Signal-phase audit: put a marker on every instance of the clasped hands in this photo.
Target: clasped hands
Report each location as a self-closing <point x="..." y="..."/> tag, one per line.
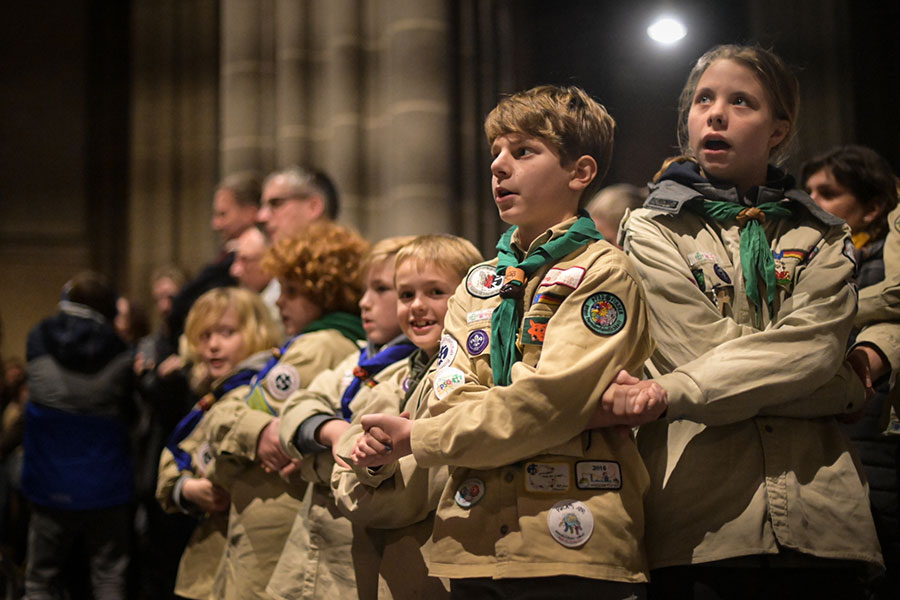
<point x="627" y="402"/>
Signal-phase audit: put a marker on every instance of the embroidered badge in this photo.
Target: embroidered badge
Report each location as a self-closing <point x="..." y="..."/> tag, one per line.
<point x="479" y="315"/>
<point x="477" y="342"/>
<point x="721" y="274"/>
<point x="282" y="381"/>
<point x="598" y="475"/>
<point x="406" y="382"/>
<point x="799" y="255"/>
<point x="469" y="493"/>
<point x="782" y="274"/>
<point x="203" y="457"/>
<point x="570" y="523"/>
<point x="447" y="351"/>
<point x="603" y="313"/>
<point x="483" y="281"/>
<point x="569" y="278"/>
<point x="446" y="380"/>
<point x="700" y="278"/>
<point x="547" y="477"/>
<point x="700" y="258"/>
<point x="548" y="299"/>
<point x="534" y="329"/>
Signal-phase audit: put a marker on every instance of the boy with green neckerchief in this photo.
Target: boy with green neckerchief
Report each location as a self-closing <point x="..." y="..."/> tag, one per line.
<point x="537" y="501"/>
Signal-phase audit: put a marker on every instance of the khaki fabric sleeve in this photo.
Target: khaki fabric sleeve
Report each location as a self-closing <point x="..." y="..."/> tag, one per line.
<point x="487" y="427"/>
<point x="322" y="397"/>
<point x="886" y="337"/>
<point x="400" y="493"/>
<point x="881" y="302"/>
<point x="167" y="476"/>
<point x="748" y="372"/>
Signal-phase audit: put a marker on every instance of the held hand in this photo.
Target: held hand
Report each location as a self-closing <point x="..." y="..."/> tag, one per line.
<point x="206" y="495"/>
<point x="629" y="401"/>
<point x="386" y="440"/>
<point x="269" y="452"/>
<point x="170" y="365"/>
<point x="865" y="361"/>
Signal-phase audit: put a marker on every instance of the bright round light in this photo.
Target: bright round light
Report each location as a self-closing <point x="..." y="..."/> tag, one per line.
<point x="666" y="31"/>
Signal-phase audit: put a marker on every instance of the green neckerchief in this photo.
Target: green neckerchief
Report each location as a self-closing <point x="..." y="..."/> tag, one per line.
<point x="505" y="319"/>
<point x="349" y="326"/>
<point x="756" y="256"/>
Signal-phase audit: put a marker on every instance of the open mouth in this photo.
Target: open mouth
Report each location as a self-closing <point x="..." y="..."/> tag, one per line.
<point x="716" y="145"/>
<point x="503" y="193"/>
<point x="422" y="324"/>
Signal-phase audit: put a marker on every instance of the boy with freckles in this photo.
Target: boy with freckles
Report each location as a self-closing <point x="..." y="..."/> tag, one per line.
<point x="545" y="496"/>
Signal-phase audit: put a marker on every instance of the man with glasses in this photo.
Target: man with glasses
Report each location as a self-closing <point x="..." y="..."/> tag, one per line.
<point x="293" y="198"/>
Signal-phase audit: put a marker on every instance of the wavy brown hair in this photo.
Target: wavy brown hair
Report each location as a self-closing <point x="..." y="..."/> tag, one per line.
<point x="326" y="260"/>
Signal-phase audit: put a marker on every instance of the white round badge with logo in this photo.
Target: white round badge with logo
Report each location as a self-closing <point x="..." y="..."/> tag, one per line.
<point x="282" y="381"/>
<point x="570" y="523"/>
<point x="447" y="351"/>
<point x="469" y="493"/>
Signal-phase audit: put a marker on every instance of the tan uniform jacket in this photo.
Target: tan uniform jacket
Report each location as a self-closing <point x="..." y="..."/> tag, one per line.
<point x="204" y="549"/>
<point x="879" y="304"/>
<point x="525" y="442"/>
<point x="263" y="505"/>
<point x="393" y="508"/>
<point x="317" y="560"/>
<point x="730" y="474"/>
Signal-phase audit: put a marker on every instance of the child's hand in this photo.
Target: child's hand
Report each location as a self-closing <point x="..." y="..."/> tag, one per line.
<point x="629" y="401"/>
<point x="206" y="495"/>
<point x="269" y="452"/>
<point x="386" y="440"/>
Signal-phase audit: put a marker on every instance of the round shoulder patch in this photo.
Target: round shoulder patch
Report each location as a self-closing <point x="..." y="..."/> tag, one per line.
<point x="477" y="342"/>
<point x="446" y="380"/>
<point x="469" y="493"/>
<point x="282" y="381"/>
<point x="604" y="313"/>
<point x="447" y="351"/>
<point x="483" y="281"/>
<point x="570" y="523"/>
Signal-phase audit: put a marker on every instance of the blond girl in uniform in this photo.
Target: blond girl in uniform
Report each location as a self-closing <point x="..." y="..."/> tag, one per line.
<point x="229" y="336"/>
<point x="754" y="491"/>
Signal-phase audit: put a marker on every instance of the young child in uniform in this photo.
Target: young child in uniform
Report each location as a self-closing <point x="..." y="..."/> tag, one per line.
<point x="392" y="508"/>
<point x="229" y="335"/>
<point x="533" y="338"/>
<point x="754" y="491"/>
<point x="321" y="283"/>
<point x="313" y="418"/>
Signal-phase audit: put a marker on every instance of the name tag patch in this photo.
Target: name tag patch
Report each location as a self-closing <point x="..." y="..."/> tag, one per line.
<point x="534" y="329"/>
<point x="446" y="380"/>
<point x="570" y="523"/>
<point x="479" y="315"/>
<point x="604" y="313"/>
<point x="483" y="281"/>
<point x="569" y="278"/>
<point x="598" y="475"/>
<point x="547" y="477"/>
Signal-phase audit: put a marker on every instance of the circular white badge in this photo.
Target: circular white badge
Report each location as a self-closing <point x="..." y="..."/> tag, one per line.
<point x="483" y="281"/>
<point x="570" y="523"/>
<point x="446" y="380"/>
<point x="282" y="381"/>
<point x="447" y="351"/>
<point x="469" y="493"/>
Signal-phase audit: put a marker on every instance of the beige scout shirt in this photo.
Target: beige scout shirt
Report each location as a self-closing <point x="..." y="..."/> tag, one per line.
<point x="730" y="474"/>
<point x="204" y="549"/>
<point x="263" y="505"/>
<point x="392" y="509"/>
<point x="516" y="451"/>
<point x="879" y="304"/>
<point x="317" y="560"/>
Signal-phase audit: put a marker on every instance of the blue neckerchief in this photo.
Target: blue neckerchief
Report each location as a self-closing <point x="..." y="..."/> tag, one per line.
<point x="192" y="419"/>
<point x="368" y="367"/>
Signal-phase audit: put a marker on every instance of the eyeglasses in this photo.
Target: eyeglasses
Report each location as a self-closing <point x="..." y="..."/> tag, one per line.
<point x="274" y="203"/>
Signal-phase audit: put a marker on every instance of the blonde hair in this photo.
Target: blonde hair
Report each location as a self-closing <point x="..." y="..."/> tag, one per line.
<point x="385" y="250"/>
<point x="255" y="324"/>
<point x="778" y="81"/>
<point x="441" y="251"/>
<point x="326" y="261"/>
<point x="566" y="118"/>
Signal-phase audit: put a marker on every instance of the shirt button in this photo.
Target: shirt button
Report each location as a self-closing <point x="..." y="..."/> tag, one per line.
<point x="504" y="529"/>
<point x="508" y="477"/>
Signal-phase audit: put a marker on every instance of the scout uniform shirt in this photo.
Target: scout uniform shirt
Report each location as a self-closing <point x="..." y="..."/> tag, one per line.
<point x="316" y="561"/>
<point x="530" y="493"/>
<point x="392" y="508"/>
<point x="263" y="505"/>
<point x="730" y="474"/>
<point x="204" y="549"/>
